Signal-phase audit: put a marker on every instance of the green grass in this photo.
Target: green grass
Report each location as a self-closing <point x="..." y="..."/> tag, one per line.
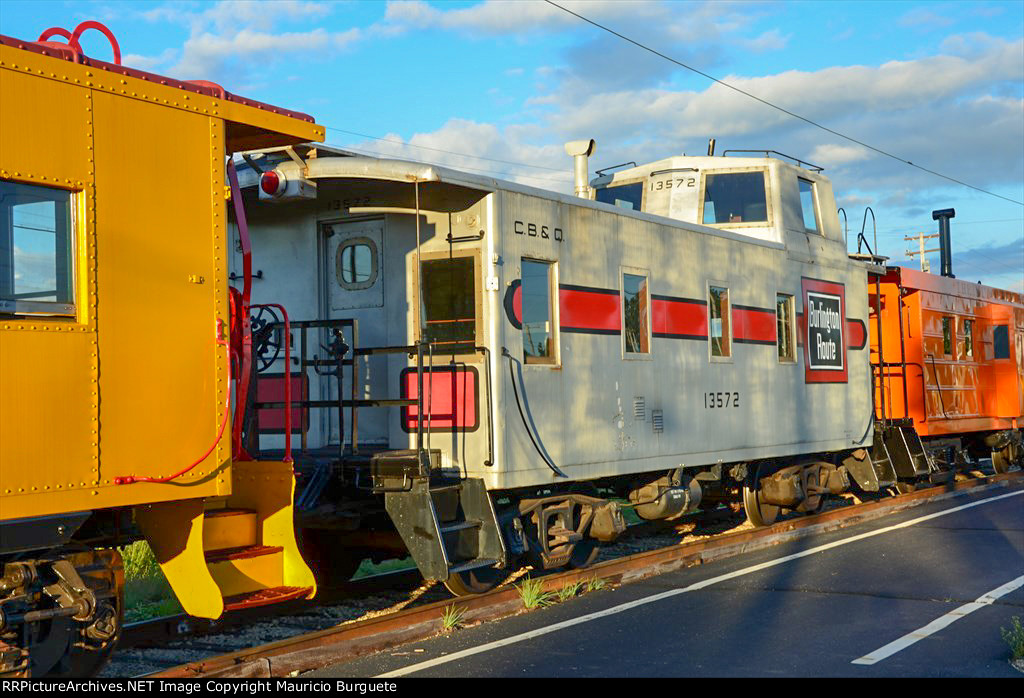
<point x="451" y="618"/>
<point x="595" y="584"/>
<point x="531" y="591"/>
<point x="568" y="591"/>
<point x="1014" y="637"/>
<point x="147" y="593"/>
<point x="367" y="568"/>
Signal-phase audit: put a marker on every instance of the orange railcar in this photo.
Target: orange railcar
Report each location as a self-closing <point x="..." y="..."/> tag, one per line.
<point x="949" y="354"/>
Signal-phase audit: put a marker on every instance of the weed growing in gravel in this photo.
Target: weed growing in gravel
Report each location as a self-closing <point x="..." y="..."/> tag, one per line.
<point x="147" y="593"/>
<point x="595" y="584"/>
<point x="1014" y="637"/>
<point x="569" y="591"/>
<point x="451" y="618"/>
<point x="531" y="591"/>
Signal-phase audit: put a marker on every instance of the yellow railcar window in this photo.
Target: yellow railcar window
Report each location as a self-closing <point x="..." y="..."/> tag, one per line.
<point x="36" y="250"/>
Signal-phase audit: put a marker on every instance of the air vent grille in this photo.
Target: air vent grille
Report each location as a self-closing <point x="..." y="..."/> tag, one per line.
<point x="639" y="409"/>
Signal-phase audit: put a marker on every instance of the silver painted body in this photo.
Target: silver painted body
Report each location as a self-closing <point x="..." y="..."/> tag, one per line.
<point x="585" y="408"/>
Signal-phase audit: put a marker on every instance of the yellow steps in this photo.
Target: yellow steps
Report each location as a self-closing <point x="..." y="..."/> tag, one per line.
<point x="241" y="554"/>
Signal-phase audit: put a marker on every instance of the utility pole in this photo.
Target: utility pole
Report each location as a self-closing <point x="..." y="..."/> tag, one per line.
<point x="921" y="237"/>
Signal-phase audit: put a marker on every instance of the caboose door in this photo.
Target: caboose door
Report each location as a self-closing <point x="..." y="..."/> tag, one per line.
<point x="354" y="277"/>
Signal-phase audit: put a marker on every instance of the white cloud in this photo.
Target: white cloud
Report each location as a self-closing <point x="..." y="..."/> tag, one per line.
<point x="923" y="18"/>
<point x="225" y="38"/>
<point x="210" y="54"/>
<point x="835" y="154"/>
<point x="771" y="40"/>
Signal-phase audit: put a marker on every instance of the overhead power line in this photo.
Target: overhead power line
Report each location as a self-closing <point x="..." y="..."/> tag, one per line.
<point x="781" y="109"/>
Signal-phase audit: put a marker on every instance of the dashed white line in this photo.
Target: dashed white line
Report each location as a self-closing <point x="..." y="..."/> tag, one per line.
<point x="940" y="623"/>
<point x="675" y="592"/>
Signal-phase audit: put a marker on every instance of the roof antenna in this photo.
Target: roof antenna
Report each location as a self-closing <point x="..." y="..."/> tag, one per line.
<point x="711" y="147"/>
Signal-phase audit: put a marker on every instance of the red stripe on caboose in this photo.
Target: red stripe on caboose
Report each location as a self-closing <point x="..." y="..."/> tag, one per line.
<point x="678" y="317"/>
<point x="753" y="325"/>
<point x="856" y="334"/>
<point x="588" y="310"/>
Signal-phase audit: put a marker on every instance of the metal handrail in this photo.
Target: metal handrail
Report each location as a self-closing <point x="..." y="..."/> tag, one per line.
<point x="287" y="377"/>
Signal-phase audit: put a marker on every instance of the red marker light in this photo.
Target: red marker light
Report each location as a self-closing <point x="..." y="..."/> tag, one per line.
<point x="270" y="183"/>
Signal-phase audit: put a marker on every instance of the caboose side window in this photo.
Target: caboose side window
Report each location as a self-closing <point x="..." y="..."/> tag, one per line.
<point x="538" y="328"/>
<point x="636" y="299"/>
<point x="36" y="258"/>
<point x="449" y="304"/>
<point x="735" y="197"/>
<point x="719" y="332"/>
<point x="947" y="336"/>
<point x="1001" y="341"/>
<point x="624" y="195"/>
<point x="968" y="347"/>
<point x="807" y="206"/>
<point x="784" y="327"/>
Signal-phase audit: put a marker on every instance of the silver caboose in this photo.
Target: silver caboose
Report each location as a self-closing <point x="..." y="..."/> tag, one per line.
<point x="494" y="370"/>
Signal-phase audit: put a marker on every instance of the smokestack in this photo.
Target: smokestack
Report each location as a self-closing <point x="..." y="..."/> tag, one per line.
<point x="580" y="151"/>
<point x="945" y="250"/>
<point x="711" y="147"/>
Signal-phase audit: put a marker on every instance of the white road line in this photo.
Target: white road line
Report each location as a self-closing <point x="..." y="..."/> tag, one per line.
<point x="675" y="592"/>
<point x="940" y="623"/>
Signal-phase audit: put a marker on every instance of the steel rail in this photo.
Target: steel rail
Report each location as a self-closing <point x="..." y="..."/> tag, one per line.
<point x="156" y="632"/>
<point x="348" y="641"/>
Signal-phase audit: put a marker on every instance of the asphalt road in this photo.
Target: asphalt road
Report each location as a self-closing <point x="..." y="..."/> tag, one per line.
<point x="814" y="607"/>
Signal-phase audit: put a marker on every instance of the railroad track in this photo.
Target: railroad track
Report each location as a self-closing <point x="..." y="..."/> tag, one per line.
<point x="305" y="651"/>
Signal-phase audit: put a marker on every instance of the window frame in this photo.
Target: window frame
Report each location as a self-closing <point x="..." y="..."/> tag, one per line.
<point x="997" y="344"/>
<point x="791" y="360"/>
<point x="642" y="181"/>
<point x="713" y="283"/>
<point x="949" y="336"/>
<point x="374" y="264"/>
<point x="814" y="207"/>
<point x="13" y="309"/>
<point x="478" y="299"/>
<point x="769" y="208"/>
<point x="635" y="355"/>
<point x="555" y="360"/>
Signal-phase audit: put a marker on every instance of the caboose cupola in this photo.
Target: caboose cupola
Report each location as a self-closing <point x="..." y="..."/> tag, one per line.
<point x="764" y="197"/>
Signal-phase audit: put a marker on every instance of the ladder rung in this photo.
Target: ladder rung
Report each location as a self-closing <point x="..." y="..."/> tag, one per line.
<point x="445" y="488"/>
<point x="459" y="526"/>
<point x="471" y="565"/>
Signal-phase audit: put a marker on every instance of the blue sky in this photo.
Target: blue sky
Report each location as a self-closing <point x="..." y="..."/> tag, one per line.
<point x="468" y="84"/>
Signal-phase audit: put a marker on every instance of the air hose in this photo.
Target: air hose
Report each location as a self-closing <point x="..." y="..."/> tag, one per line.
<point x="522" y="415"/>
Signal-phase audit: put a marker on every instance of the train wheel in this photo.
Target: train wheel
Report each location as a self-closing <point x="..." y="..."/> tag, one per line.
<point x="759" y="513"/>
<point x="476" y="581"/>
<point x="70" y="646"/>
<point x="1006" y="457"/>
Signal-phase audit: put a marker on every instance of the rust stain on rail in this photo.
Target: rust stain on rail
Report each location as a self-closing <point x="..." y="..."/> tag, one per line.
<point x="345" y="642"/>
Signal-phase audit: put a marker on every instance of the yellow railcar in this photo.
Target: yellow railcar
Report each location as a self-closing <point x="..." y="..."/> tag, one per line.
<point x="117" y="343"/>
